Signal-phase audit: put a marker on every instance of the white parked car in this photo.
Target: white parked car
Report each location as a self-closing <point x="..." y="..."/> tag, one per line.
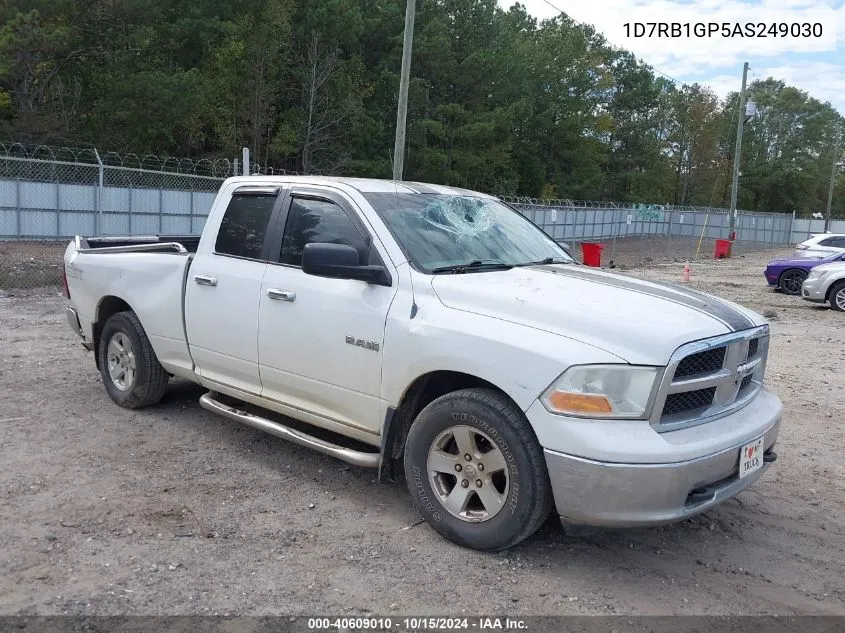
<point x="826" y="284"/>
<point x="821" y="245"/>
<point x="437" y="333"/>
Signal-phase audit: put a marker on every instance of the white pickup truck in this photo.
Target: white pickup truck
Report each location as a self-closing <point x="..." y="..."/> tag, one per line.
<point x="437" y="333"/>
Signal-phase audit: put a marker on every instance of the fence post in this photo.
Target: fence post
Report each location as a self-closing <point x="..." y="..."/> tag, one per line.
<point x="791" y="226"/>
<point x="615" y="228"/>
<point x="669" y="241"/>
<point x="129" y="231"/>
<point x="160" y="211"/>
<point x="98" y="218"/>
<point x="18" y="207"/>
<point x="58" y="205"/>
<point x="191" y="211"/>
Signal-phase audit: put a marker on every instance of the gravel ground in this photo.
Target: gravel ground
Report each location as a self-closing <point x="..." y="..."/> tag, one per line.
<point x="172" y="510"/>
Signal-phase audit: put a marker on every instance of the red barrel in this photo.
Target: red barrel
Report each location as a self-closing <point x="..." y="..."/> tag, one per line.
<point x="723" y="249"/>
<point x="591" y="254"/>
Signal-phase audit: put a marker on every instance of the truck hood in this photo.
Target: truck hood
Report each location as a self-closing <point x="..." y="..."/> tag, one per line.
<point x="639" y="321"/>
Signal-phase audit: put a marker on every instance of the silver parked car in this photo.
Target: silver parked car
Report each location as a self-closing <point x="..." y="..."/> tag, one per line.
<point x="826" y="284"/>
<point x="821" y="245"/>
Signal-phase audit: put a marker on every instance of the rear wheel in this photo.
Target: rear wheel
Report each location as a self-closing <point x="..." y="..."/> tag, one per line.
<point x="476" y="471"/>
<point x="131" y="373"/>
<point x="791" y="280"/>
<point x="837" y="297"/>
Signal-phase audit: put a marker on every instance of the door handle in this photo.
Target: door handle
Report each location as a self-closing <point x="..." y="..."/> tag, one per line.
<point x="204" y="280"/>
<point x="281" y="295"/>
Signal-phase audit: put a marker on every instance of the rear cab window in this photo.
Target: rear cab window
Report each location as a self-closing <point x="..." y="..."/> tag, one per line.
<point x="244" y="226"/>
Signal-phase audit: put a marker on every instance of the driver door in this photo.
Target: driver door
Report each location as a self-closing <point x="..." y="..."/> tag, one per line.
<point x="310" y="327"/>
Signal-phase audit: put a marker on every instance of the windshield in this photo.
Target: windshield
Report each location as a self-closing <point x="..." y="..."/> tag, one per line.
<point x="438" y="230"/>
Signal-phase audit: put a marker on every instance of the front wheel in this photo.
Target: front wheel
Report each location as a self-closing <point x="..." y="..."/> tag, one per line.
<point x="476" y="471"/>
<point x="132" y="375"/>
<point x="791" y="281"/>
<point x="837" y="297"/>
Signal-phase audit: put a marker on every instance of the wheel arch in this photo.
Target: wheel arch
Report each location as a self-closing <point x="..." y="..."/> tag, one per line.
<point x="792" y="269"/>
<point x="423" y="390"/>
<point x="834" y="284"/>
<point x="106" y="308"/>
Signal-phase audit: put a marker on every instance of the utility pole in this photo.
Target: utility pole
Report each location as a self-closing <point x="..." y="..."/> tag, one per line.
<point x="402" y="110"/>
<point x="739" y="125"/>
<point x="832" y="180"/>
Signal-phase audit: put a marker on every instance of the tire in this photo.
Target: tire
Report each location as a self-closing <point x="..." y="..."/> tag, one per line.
<point x="485" y="426"/>
<point x="790" y="281"/>
<point x="131" y="372"/>
<point x="837" y="297"/>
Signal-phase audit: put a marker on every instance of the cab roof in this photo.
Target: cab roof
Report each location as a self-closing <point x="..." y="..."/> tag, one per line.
<point x="363" y="185"/>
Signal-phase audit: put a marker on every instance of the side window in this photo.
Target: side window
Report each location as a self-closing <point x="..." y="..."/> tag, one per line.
<point x="839" y="242"/>
<point x="244" y="225"/>
<point x="829" y="241"/>
<point x="318" y="221"/>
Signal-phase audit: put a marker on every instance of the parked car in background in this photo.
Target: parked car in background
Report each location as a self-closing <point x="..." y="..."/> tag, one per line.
<point x="789" y="274"/>
<point x="821" y="245"/>
<point x="826" y="284"/>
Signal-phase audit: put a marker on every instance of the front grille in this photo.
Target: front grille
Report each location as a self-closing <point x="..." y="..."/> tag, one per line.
<point x="713" y="378"/>
<point x="688" y="401"/>
<point x="701" y="363"/>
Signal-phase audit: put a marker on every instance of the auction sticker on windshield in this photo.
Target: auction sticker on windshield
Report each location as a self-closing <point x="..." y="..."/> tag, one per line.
<point x="750" y="458"/>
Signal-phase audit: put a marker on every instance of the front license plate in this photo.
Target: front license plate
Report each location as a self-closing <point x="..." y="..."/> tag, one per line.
<point x="750" y="458"/>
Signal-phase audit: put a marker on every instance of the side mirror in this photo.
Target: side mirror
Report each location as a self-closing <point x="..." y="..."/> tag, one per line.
<point x="340" y="261"/>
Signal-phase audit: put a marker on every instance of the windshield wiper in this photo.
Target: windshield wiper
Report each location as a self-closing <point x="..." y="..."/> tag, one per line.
<point x="548" y="260"/>
<point x="476" y="264"/>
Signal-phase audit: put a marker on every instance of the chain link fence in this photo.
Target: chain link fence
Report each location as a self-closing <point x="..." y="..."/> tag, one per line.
<point x="48" y="196"/>
<point x="640" y="234"/>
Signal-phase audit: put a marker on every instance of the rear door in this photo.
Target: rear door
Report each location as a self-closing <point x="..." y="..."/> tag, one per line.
<point x="224" y="286"/>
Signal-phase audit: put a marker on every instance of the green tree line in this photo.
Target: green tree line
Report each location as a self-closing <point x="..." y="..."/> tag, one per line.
<point x="498" y="101"/>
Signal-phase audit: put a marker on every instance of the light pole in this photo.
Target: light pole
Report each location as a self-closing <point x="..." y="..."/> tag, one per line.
<point x="832" y="180"/>
<point x="737" y="151"/>
<point x="402" y="110"/>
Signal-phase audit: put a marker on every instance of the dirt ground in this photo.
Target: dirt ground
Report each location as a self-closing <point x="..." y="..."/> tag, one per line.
<point x="172" y="510"/>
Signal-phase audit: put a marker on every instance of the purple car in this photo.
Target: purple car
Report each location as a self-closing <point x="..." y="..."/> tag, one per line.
<point x="789" y="274"/>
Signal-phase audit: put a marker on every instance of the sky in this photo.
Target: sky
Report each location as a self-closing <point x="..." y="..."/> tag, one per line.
<point x="815" y="64"/>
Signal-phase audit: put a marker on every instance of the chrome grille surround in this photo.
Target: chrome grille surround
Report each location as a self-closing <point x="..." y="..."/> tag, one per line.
<point x="736" y="382"/>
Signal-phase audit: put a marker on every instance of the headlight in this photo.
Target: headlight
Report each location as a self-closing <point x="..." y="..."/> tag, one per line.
<point x="815" y="274"/>
<point x="602" y="391"/>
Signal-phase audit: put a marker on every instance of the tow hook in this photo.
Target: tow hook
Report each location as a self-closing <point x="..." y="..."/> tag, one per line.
<point x="769" y="457"/>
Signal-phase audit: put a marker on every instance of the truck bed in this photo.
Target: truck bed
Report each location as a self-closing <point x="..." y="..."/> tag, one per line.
<point x="141" y="243"/>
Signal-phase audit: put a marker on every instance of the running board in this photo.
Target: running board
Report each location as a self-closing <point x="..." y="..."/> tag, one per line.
<point x="356" y="458"/>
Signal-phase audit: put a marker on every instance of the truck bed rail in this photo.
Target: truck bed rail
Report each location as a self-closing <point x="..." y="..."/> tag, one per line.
<point x="138" y="244"/>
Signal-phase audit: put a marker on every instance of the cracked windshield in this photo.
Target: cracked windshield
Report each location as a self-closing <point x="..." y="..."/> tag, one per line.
<point x="444" y="233"/>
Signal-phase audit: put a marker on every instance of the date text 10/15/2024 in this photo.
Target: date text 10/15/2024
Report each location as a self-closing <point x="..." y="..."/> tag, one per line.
<point x="416" y="624"/>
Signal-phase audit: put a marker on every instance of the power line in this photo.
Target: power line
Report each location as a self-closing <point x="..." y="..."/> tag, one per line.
<point x="642" y="61"/>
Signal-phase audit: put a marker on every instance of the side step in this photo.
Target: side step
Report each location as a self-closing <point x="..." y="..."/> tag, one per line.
<point x="356" y="458"/>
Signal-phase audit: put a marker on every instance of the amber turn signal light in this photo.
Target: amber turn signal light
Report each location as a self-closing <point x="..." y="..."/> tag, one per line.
<point x="579" y="402"/>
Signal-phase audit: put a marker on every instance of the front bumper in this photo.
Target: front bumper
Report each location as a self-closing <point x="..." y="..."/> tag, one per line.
<point x="605" y="494"/>
<point x="625" y="474"/>
<point x="771" y="278"/>
<point x="813" y="290"/>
